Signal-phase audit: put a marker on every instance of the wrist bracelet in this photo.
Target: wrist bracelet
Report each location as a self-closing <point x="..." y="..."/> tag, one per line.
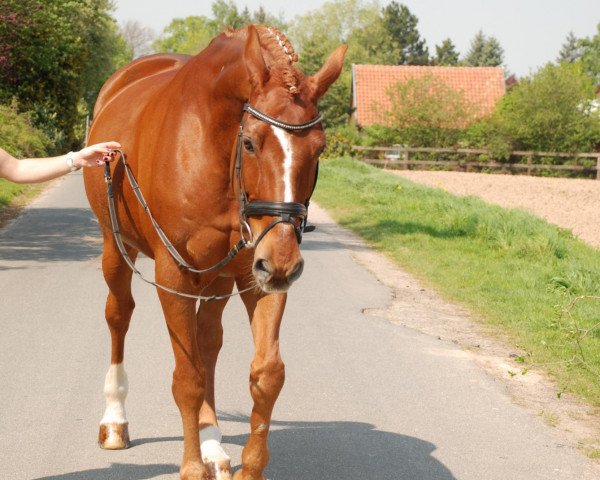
<point x="70" y="162"/>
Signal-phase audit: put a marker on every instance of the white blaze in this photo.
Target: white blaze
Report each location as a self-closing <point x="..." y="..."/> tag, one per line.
<point x="211" y="445"/>
<point x="115" y="391"/>
<point x="286" y="145"/>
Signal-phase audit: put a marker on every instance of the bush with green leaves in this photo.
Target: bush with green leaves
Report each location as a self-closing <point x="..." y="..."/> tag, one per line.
<point x="54" y="57"/>
<point x="18" y="136"/>
<point x="554" y="110"/>
<point x="426" y="112"/>
<point x="340" y="141"/>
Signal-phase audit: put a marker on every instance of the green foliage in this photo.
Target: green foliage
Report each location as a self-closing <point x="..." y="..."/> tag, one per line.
<point x="402" y="26"/>
<point x="426" y="112"/>
<point x="226" y="14"/>
<point x="317" y="34"/>
<point x="18" y="136"/>
<point x="590" y="57"/>
<point x="484" y="52"/>
<point x="487" y="133"/>
<point x="57" y="54"/>
<point x="192" y="34"/>
<point x="509" y="268"/>
<point x="445" y="54"/>
<point x="551" y="111"/>
<point x="340" y="140"/>
<point x="186" y="35"/>
<point x="570" y="50"/>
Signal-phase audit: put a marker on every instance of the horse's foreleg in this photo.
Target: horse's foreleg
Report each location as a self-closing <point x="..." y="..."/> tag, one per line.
<point x="210" y="340"/>
<point x="267" y="375"/>
<point x="114" y="432"/>
<point x="189" y="374"/>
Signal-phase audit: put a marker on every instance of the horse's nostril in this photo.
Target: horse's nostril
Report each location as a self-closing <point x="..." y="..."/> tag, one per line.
<point x="296" y="272"/>
<point x="262" y="266"/>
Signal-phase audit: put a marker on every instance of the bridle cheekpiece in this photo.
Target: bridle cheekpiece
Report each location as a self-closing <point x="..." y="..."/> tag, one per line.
<point x="285" y="212"/>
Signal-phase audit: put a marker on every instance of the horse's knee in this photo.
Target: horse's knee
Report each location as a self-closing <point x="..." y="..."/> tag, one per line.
<point x="118" y="312"/>
<point x="266" y="379"/>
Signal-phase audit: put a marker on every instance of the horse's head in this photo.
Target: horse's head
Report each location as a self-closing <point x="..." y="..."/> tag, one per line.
<point x="281" y="141"/>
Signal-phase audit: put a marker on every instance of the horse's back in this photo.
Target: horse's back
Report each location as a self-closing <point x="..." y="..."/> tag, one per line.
<point x="137" y="71"/>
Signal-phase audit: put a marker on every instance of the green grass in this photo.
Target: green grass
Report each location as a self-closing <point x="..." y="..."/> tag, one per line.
<point x="511" y="269"/>
<point x="14" y="197"/>
<point x="8" y="191"/>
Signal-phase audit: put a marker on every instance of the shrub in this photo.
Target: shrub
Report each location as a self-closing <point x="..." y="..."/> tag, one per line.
<point x="18" y="136"/>
<point x="551" y="111"/>
<point x="340" y="140"/>
<point x="425" y="112"/>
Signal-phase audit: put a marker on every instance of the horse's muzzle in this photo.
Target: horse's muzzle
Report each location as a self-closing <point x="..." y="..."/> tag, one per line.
<point x="273" y="279"/>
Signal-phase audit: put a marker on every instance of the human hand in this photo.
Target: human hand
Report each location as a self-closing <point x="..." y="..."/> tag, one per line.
<point x="95" y="155"/>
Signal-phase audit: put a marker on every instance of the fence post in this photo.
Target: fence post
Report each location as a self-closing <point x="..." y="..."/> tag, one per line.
<point x="598" y="167"/>
<point x="529" y="165"/>
<point x="405" y="158"/>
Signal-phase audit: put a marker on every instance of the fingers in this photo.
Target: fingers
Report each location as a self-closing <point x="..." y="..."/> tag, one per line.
<point x="109" y="145"/>
<point x="99" y="153"/>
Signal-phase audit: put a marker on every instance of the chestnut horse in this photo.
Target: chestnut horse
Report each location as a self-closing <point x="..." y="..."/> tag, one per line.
<point x="222" y="150"/>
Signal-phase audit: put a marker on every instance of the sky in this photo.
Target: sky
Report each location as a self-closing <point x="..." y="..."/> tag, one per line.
<point x="530" y="31"/>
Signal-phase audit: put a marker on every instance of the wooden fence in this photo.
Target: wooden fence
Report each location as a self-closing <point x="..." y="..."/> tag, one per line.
<point x="400" y="157"/>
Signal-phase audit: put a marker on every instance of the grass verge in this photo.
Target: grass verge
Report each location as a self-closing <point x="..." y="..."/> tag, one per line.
<point x="511" y="269"/>
<point x="14" y="197"/>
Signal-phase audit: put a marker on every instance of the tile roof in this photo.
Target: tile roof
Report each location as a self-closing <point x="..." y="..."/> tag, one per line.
<point x="483" y="86"/>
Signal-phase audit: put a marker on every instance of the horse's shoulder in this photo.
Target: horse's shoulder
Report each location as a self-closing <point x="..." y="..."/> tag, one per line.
<point x="135" y="71"/>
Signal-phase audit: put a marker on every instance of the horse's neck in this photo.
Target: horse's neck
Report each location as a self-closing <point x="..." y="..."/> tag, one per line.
<point x="218" y="76"/>
<point x="209" y="93"/>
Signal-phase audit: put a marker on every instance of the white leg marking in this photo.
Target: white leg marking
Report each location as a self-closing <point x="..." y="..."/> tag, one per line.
<point x="286" y="146"/>
<point x="115" y="391"/>
<point x="210" y="438"/>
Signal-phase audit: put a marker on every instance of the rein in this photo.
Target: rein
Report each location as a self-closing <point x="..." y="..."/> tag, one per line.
<point x="285" y="212"/>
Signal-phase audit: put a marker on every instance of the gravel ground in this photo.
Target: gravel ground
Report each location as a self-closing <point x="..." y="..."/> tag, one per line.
<point x="569" y="203"/>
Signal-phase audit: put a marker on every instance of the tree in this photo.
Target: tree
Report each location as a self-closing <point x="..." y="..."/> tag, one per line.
<point x="484" y="52"/>
<point x="60" y="53"/>
<point x="185" y="35"/>
<point x="590" y="55"/>
<point x="402" y="27"/>
<point x="446" y="54"/>
<point x="571" y="50"/>
<point x="138" y="38"/>
<point x="426" y="112"/>
<point x="553" y="110"/>
<point x="226" y="14"/>
<point x="317" y="33"/>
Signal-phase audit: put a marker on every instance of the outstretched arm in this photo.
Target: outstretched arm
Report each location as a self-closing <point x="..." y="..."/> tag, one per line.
<point x="35" y="170"/>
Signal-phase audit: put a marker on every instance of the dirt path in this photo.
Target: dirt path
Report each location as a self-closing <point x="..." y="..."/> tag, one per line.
<point x="568" y="203"/>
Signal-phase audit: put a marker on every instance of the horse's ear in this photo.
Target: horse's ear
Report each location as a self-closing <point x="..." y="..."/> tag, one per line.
<point x="329" y="73"/>
<point x="255" y="63"/>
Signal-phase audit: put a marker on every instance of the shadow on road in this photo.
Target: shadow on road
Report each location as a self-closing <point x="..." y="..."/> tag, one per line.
<point x="344" y="450"/>
<point x="51" y="235"/>
<point x="308" y="451"/>
<point x="117" y="471"/>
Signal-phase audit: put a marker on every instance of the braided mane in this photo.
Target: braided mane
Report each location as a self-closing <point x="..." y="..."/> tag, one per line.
<point x="280" y="57"/>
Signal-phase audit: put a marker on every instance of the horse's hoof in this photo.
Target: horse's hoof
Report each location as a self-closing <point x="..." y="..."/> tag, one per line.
<point x="193" y="471"/>
<point x="220" y="470"/>
<point x="113" y="436"/>
<point x="238" y="476"/>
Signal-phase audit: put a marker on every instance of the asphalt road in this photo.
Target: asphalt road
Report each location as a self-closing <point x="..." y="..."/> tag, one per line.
<point x="364" y="398"/>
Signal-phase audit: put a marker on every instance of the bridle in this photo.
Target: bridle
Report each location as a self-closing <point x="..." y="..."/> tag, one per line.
<point x="284" y="212"/>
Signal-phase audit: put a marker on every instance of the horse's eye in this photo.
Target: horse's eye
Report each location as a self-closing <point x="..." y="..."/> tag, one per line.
<point x="248" y="145"/>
